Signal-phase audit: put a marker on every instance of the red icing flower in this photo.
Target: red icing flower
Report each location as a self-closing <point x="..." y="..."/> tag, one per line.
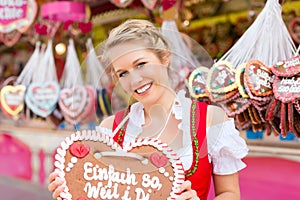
<point x="85" y="27"/>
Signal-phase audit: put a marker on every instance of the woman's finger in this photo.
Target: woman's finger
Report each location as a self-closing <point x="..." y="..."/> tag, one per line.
<point x="57" y="192"/>
<point x="55" y="184"/>
<point x="186" y="185"/>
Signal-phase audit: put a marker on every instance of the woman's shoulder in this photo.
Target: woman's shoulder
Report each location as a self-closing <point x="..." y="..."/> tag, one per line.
<point x="108" y="122"/>
<point x="215" y="115"/>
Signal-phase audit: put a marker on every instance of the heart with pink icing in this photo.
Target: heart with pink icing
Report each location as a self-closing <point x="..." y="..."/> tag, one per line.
<point x="258" y="80"/>
<point x="287" y="68"/>
<point x="42" y="97"/>
<point x="78" y="111"/>
<point x="197" y="82"/>
<point x="94" y="166"/>
<point x="72" y="101"/>
<point x="221" y="78"/>
<point x="287" y="89"/>
<point x="12" y="99"/>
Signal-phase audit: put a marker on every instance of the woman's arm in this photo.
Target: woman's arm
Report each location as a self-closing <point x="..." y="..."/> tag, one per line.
<point x="108" y="122"/>
<point x="227" y="187"/>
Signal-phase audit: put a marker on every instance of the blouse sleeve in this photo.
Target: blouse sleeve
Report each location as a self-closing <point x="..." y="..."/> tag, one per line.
<point x="226" y="148"/>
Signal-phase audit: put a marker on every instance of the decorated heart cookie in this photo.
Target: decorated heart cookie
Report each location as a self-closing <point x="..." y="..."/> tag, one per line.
<point x="289" y="67"/>
<point x="42" y="97"/>
<point x="221" y="78"/>
<point x="12" y="99"/>
<point x="287" y="89"/>
<point x="258" y="80"/>
<point x="95" y="167"/>
<point x="77" y="104"/>
<point x="239" y="79"/>
<point x="197" y="82"/>
<point x="294" y="27"/>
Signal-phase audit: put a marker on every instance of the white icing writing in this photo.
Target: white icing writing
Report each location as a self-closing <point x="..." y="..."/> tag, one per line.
<point x="99" y="174"/>
<point x="292" y="62"/>
<point x="289" y="85"/>
<point x="11" y="9"/>
<point x="264" y="79"/>
<point x="221" y="77"/>
<point x="114" y="178"/>
<point x="13" y="99"/>
<point x="45" y="94"/>
<point x="104" y="192"/>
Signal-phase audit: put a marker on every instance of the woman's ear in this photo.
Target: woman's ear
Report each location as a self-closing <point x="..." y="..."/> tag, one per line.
<point x="166" y="58"/>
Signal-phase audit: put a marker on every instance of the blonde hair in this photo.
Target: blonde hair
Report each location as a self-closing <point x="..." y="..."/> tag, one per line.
<point x="139" y="31"/>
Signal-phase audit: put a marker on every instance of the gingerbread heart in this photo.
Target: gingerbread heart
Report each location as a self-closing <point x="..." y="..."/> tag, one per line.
<point x="287" y="68"/>
<point x="94" y="166"/>
<point x="287" y="89"/>
<point x="239" y="79"/>
<point x="294" y="27"/>
<point x="221" y="78"/>
<point x="72" y="101"/>
<point x="197" y="82"/>
<point x="258" y="80"/>
<point x="42" y="97"/>
<point x="12" y="99"/>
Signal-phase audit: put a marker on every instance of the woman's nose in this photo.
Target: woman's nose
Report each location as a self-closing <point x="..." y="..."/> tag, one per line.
<point x="135" y="77"/>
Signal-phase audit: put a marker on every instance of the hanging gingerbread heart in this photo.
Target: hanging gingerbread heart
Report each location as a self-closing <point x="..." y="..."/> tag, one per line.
<point x="287" y="68"/>
<point x="239" y="79"/>
<point x="287" y="89"/>
<point x="42" y="98"/>
<point x="294" y="29"/>
<point x="258" y="80"/>
<point x="197" y="82"/>
<point x="221" y="78"/>
<point x="12" y="99"/>
<point x="94" y="166"/>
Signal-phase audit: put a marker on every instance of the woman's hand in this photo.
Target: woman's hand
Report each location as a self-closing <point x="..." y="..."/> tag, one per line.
<point x="187" y="192"/>
<point x="56" y="185"/>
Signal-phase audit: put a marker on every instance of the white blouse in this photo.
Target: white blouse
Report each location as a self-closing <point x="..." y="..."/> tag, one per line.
<point x="225" y="147"/>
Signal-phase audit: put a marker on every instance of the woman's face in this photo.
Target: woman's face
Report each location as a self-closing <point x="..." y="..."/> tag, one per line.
<point x="140" y="72"/>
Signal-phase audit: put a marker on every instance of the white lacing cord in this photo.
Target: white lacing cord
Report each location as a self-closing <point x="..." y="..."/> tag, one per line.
<point x="98" y="155"/>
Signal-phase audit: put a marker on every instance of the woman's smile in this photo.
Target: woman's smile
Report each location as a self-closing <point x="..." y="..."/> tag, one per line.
<point x="143" y="89"/>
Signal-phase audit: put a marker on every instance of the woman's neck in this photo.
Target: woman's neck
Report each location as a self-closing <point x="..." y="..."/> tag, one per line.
<point x="161" y="108"/>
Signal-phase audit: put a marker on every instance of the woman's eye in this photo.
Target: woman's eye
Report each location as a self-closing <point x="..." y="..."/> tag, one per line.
<point x="123" y="74"/>
<point x="140" y="65"/>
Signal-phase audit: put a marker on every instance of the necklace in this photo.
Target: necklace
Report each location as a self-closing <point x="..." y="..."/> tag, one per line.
<point x="166" y="123"/>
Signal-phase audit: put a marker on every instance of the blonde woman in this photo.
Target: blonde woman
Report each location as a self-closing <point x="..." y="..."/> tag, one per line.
<point x="204" y="138"/>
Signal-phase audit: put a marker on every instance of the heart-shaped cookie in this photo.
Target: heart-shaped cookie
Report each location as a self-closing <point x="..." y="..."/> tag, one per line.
<point x="94" y="166"/>
<point x="72" y="101"/>
<point x="239" y="79"/>
<point x="197" y="82"/>
<point x="287" y="68"/>
<point x="294" y="27"/>
<point x="221" y="78"/>
<point x="42" y="97"/>
<point x="12" y="99"/>
<point x="258" y="80"/>
<point x="287" y="89"/>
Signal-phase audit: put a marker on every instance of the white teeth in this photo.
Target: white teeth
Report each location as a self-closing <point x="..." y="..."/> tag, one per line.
<point x="143" y="89"/>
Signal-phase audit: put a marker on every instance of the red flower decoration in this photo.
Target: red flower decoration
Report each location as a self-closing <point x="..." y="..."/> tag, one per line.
<point x="85" y="27"/>
<point x="41" y="29"/>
